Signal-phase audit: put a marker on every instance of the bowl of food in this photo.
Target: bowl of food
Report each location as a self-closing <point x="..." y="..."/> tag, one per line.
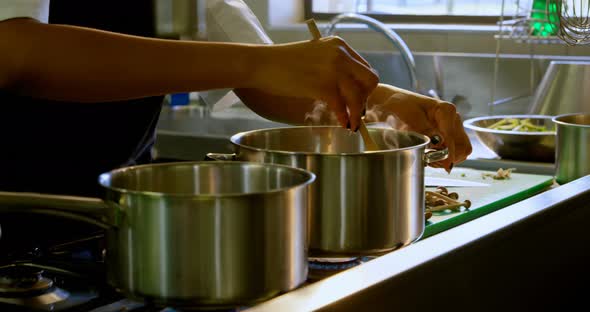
<point x="516" y="137"/>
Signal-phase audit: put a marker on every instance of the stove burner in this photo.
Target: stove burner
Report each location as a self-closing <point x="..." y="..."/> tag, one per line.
<point x="19" y="281"/>
<point x="26" y="286"/>
<point x="320" y="268"/>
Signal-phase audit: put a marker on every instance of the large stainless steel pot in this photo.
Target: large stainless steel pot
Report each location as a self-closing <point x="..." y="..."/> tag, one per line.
<point x="362" y="202"/>
<point x="195" y="234"/>
<point x="572" y="153"/>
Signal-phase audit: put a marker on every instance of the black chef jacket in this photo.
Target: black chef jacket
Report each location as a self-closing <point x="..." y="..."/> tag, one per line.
<point x="62" y="147"/>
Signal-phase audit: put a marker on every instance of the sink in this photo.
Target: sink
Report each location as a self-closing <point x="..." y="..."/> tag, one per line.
<point x="190" y="132"/>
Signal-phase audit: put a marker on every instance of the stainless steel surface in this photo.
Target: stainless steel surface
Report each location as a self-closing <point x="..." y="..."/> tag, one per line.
<point x="190" y="132"/>
<point x="516" y="145"/>
<point x="202" y="233"/>
<point x="433" y="156"/>
<point x="362" y="202"/>
<point x="509" y="99"/>
<point x="391" y="35"/>
<point x="438" y="77"/>
<point x="482" y="158"/>
<point x="573" y="21"/>
<point x="402" y="278"/>
<point x="573" y="146"/>
<point x="95" y="211"/>
<point x="563" y="90"/>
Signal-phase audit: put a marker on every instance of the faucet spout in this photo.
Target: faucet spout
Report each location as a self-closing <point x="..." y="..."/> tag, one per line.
<point x="391" y="35"/>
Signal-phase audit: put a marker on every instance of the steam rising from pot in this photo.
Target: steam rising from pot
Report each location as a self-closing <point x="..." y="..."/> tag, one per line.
<point x="321" y="115"/>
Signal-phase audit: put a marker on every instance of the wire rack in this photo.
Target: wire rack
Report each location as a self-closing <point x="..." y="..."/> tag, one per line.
<point x="529" y="25"/>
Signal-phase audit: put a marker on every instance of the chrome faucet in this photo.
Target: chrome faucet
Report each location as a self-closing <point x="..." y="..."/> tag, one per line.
<point x="376" y="25"/>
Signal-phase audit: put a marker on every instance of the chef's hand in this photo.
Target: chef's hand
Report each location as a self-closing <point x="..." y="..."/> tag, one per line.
<point x="326" y="69"/>
<point x="424" y="115"/>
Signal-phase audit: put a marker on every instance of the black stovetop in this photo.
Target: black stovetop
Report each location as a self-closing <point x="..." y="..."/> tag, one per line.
<point x="67" y="272"/>
<point x="67" y="275"/>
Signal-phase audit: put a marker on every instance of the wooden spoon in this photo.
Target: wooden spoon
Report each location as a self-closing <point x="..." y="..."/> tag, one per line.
<point x="370" y="145"/>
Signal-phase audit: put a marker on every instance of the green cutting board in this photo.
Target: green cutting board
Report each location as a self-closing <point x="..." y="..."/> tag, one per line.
<point x="486" y="199"/>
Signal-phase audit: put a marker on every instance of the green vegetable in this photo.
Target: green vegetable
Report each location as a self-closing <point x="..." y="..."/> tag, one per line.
<point x="515" y="124"/>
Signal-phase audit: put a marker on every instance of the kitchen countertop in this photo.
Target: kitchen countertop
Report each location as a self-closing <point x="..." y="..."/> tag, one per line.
<point x="530" y="255"/>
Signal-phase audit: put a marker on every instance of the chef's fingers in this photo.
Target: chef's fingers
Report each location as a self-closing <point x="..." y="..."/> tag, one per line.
<point x="436" y="165"/>
<point x="337" y="104"/>
<point x="462" y="144"/>
<point x="355" y="100"/>
<point x="424" y="123"/>
<point x="445" y="115"/>
<point x="450" y="123"/>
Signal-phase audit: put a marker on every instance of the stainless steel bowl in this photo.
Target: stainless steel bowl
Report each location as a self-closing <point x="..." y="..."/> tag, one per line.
<point x="516" y="145"/>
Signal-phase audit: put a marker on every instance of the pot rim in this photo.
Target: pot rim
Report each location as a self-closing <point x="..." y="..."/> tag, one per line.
<point x="248" y="147"/>
<point x="558" y="120"/>
<point x="104" y="179"/>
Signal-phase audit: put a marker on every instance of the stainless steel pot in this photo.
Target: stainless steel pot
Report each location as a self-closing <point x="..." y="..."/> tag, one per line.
<point x="196" y="233"/>
<point x="362" y="202"/>
<point x="572" y="151"/>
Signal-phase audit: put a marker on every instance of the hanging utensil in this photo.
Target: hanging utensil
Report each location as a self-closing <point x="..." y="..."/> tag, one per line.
<point x="574" y="21"/>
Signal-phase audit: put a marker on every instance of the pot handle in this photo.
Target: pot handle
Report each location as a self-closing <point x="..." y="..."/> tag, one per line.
<point x="432" y="156"/>
<point x="221" y="156"/>
<point x="86" y="209"/>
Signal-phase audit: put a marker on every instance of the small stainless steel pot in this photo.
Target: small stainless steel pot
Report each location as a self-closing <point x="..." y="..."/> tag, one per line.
<point x="214" y="234"/>
<point x="362" y="202"/>
<point x="572" y="151"/>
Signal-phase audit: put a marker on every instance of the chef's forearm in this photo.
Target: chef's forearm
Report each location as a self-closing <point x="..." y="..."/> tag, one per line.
<point x="289" y="110"/>
<point x="293" y="110"/>
<point x="384" y="91"/>
<point x="80" y="64"/>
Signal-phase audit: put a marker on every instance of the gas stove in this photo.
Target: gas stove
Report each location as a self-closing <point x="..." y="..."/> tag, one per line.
<point x="70" y="275"/>
<point x="27" y="286"/>
<point x="64" y="277"/>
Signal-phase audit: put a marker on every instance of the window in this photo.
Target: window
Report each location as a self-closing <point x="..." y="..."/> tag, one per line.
<point x="420" y="11"/>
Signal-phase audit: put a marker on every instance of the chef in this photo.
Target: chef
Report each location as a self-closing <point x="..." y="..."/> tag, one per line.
<point x="78" y="101"/>
<point x="81" y="87"/>
<point x="83" y="101"/>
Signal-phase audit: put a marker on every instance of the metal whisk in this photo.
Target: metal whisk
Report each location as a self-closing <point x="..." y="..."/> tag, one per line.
<point x="574" y="21"/>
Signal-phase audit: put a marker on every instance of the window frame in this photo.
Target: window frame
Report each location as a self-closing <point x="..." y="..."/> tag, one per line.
<point x="409" y="19"/>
